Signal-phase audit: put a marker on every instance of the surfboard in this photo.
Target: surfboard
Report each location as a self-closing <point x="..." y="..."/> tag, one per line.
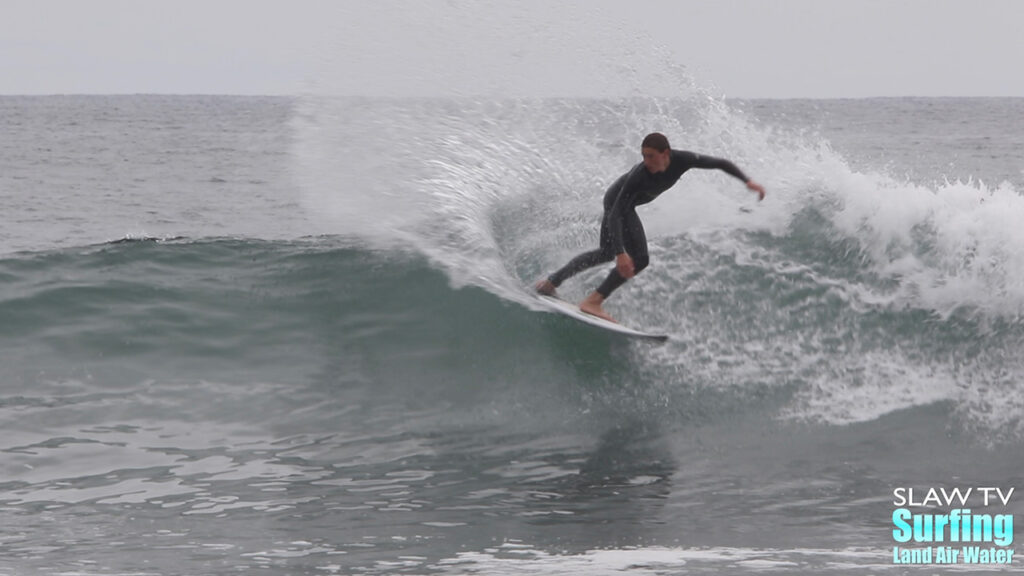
<point x="573" y="311"/>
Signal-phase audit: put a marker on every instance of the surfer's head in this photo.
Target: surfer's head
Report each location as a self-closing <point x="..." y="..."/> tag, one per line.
<point x="655" y="151"/>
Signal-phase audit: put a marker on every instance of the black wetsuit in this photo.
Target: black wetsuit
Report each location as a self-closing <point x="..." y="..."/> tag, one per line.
<point x="621" y="229"/>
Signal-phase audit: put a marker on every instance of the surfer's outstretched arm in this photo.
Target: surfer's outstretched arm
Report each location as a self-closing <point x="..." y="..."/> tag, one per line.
<point x="713" y="163"/>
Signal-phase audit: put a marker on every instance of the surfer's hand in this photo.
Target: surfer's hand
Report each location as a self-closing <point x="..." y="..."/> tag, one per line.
<point x="624" y="264"/>
<point x="756" y="188"/>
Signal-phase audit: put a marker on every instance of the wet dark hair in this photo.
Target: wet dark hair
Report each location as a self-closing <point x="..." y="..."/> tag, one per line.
<point x="655" y="140"/>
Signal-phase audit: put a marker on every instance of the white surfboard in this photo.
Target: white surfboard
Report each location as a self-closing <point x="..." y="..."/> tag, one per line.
<point x="573" y="311"/>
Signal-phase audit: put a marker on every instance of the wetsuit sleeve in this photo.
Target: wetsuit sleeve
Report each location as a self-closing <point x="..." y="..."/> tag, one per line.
<point x="625" y="198"/>
<point x="712" y="163"/>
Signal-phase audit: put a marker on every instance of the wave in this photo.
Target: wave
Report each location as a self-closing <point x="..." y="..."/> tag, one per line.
<point x="749" y="332"/>
<point x="325" y="308"/>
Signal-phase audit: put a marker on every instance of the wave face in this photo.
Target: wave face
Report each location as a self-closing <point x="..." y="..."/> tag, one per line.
<point x="247" y="309"/>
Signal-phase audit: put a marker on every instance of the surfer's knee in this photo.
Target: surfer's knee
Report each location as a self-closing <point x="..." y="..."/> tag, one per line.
<point x="640" y="262"/>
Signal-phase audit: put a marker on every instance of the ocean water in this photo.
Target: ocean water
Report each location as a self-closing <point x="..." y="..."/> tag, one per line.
<point x="293" y="335"/>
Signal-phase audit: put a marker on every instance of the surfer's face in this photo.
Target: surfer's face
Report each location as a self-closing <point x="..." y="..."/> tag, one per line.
<point x="655" y="161"/>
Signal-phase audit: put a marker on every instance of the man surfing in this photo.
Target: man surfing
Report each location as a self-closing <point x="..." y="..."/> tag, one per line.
<point x="622" y="233"/>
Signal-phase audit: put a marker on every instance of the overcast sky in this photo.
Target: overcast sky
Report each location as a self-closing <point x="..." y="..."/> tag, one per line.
<point x="735" y="48"/>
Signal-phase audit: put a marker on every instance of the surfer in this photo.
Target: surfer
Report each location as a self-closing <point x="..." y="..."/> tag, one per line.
<point x="622" y="234"/>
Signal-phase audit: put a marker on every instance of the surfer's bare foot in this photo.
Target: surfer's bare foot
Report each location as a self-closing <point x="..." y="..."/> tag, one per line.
<point x="592" y="305"/>
<point x="545" y="287"/>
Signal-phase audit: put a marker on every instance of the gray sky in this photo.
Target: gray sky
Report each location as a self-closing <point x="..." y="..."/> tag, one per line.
<point x="736" y="48"/>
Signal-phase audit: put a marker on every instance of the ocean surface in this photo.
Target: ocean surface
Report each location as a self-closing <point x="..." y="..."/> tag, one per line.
<point x="294" y="336"/>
